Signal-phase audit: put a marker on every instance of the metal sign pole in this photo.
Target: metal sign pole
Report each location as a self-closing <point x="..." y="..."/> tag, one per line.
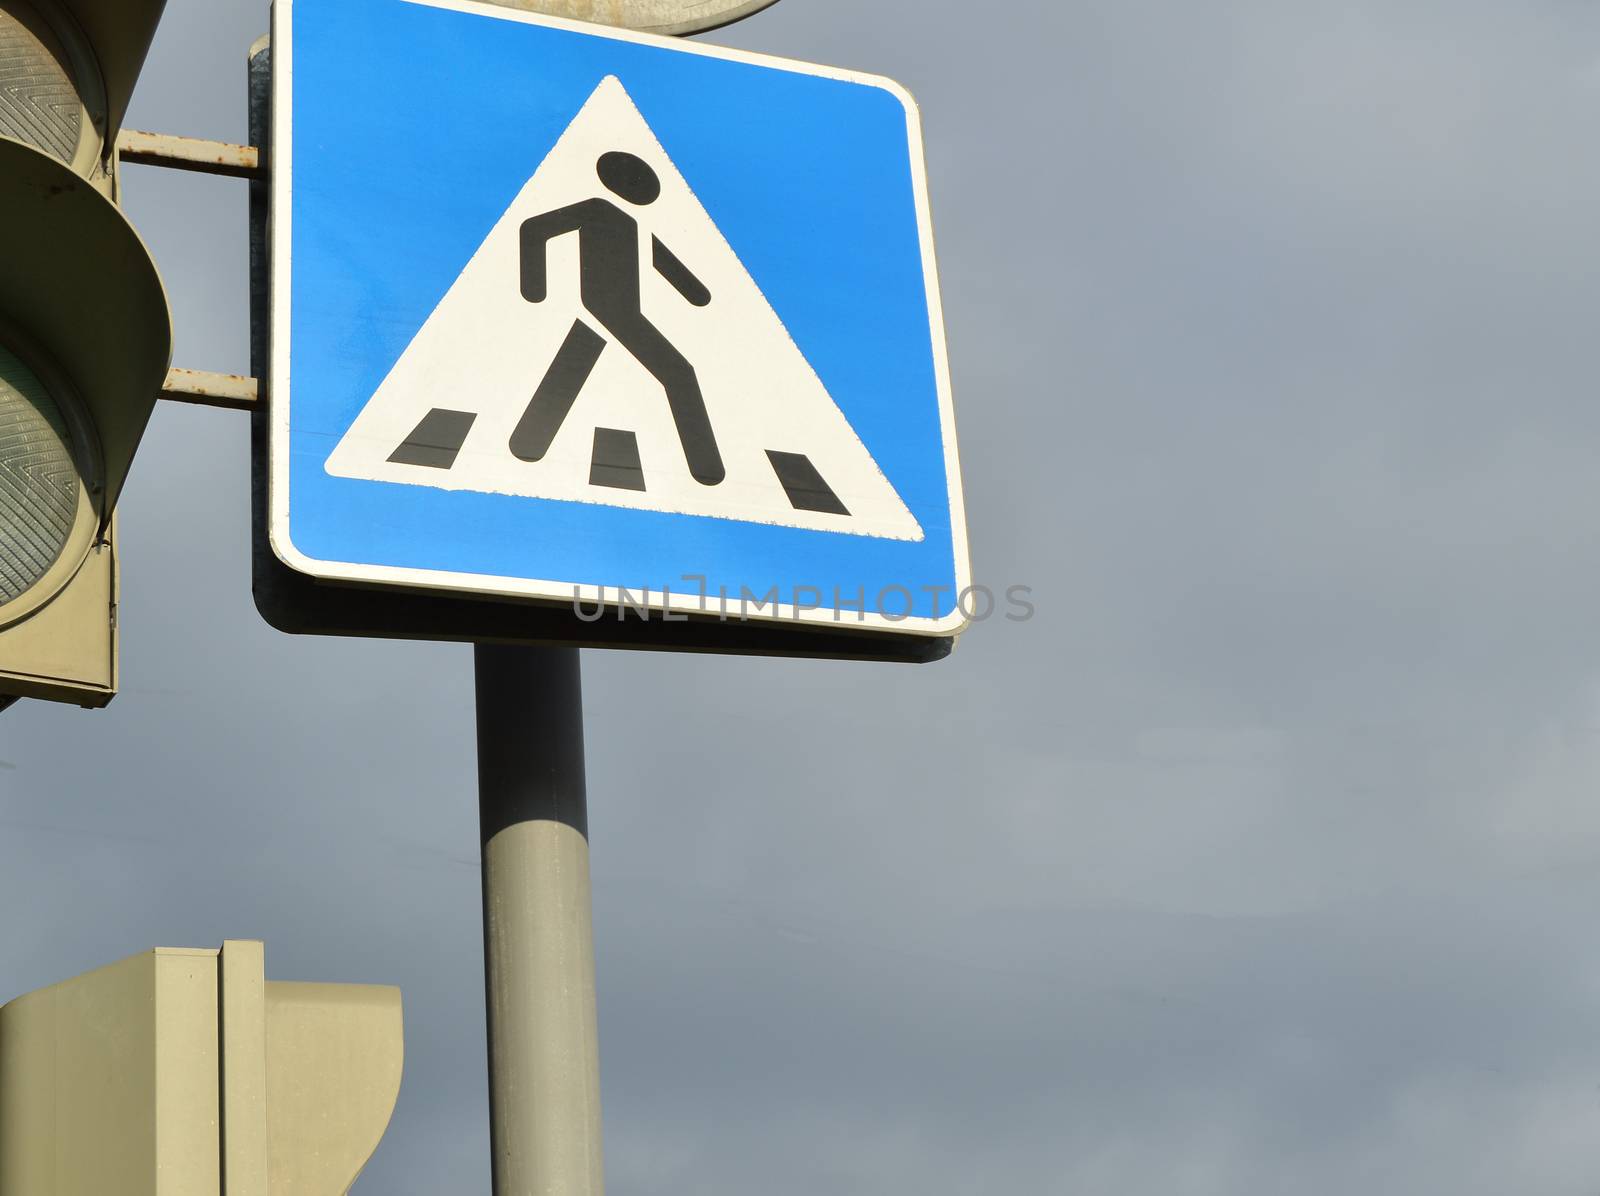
<point x="544" y="1058"/>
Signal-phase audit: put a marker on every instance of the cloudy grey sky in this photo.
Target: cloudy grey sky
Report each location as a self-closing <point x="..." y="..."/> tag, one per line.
<point x="1264" y="859"/>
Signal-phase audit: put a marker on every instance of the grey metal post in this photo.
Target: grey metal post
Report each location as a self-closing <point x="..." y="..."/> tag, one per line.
<point x="544" y="1059"/>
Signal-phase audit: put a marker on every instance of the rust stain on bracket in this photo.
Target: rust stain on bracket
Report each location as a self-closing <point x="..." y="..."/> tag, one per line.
<point x="232" y="392"/>
<point x="190" y="153"/>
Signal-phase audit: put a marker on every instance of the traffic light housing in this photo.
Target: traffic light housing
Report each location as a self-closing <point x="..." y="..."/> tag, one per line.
<point x="188" y="1072"/>
<point x="85" y="338"/>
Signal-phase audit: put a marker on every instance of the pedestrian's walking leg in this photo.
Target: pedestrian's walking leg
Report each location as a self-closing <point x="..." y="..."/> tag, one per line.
<point x="548" y="408"/>
<point x="657" y="354"/>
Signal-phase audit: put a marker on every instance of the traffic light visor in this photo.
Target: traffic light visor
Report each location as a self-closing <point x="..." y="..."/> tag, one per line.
<point x="83" y="309"/>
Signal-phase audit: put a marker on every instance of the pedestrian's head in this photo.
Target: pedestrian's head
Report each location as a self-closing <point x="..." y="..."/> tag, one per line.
<point x="630" y="177"/>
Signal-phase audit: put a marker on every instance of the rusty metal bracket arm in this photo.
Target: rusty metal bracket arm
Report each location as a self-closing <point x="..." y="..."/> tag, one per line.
<point x="190" y="153"/>
<point x="205" y="389"/>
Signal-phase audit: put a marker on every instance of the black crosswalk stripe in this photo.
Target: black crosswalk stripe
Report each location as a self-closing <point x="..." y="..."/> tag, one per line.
<point x="436" y="442"/>
<point x="805" y="486"/>
<point x="616" y="463"/>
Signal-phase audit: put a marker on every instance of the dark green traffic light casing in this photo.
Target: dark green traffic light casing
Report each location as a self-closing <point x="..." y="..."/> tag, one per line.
<point x="85" y="338"/>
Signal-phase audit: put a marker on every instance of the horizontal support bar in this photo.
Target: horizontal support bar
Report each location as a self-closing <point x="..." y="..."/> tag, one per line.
<point x="205" y="389"/>
<point x="190" y="153"/>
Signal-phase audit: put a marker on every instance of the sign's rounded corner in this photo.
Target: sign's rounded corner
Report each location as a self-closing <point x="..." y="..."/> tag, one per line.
<point x="950" y="626"/>
<point x="287" y="553"/>
<point x="900" y="92"/>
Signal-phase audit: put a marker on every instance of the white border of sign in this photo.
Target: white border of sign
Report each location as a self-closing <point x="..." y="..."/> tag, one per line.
<point x="569" y="592"/>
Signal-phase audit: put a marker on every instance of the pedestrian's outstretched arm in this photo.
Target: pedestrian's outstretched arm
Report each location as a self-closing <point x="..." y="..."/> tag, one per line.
<point x="537" y="232"/>
<point x="680" y="276"/>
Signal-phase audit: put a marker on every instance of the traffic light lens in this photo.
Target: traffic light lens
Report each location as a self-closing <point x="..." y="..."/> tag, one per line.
<point x="40" y="485"/>
<point x="41" y="101"/>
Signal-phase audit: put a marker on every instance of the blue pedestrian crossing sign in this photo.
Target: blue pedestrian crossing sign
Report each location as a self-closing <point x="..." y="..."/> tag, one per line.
<point x="574" y="315"/>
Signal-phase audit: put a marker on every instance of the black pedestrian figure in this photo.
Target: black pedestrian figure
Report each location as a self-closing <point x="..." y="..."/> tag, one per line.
<point x="609" y="284"/>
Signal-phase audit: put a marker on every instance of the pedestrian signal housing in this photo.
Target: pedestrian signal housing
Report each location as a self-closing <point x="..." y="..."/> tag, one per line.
<point x="186" y="1071"/>
<point x="85" y="338"/>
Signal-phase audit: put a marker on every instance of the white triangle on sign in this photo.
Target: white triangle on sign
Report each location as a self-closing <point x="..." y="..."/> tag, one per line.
<point x="458" y="411"/>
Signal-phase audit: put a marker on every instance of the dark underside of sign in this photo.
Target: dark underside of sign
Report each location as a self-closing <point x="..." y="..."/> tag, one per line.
<point x="293" y="602"/>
